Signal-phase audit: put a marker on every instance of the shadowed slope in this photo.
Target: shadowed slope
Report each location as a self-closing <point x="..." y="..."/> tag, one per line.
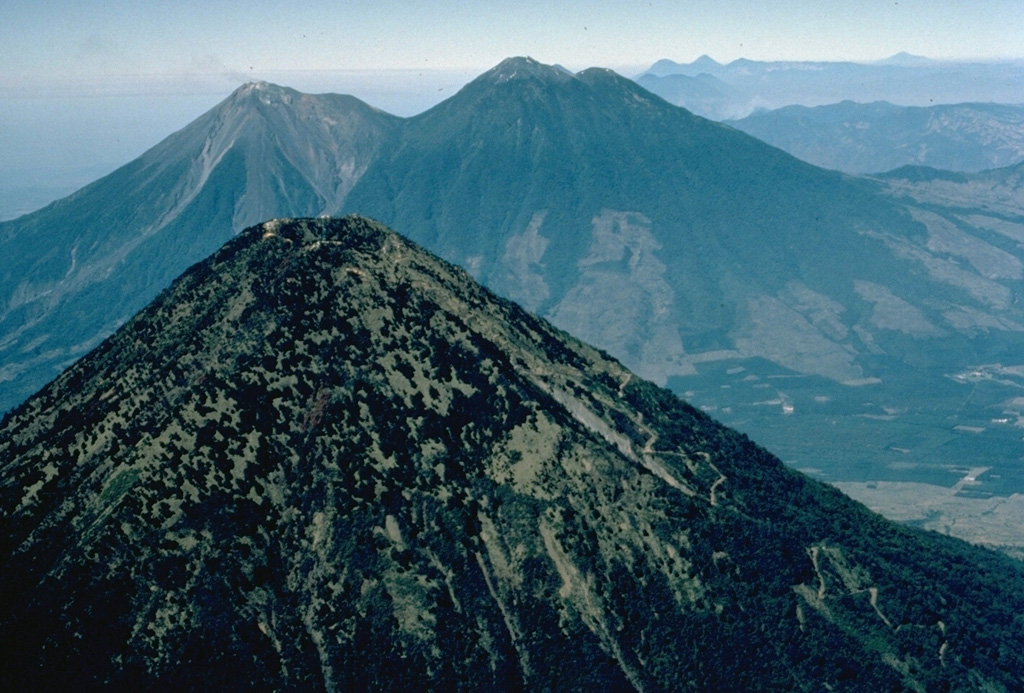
<point x="325" y="459"/>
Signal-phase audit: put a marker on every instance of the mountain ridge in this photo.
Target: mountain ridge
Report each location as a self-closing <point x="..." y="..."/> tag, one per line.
<point x="332" y="460"/>
<point x="746" y="86"/>
<point x="880" y="136"/>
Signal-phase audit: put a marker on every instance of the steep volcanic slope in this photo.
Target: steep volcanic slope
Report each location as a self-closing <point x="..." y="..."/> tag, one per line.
<point x="75" y="270"/>
<point x="781" y="296"/>
<point x="663" y="237"/>
<point x="324" y="459"/>
<point x="817" y="311"/>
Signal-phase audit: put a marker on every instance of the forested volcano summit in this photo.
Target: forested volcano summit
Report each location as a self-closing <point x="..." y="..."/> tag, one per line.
<point x="326" y="459"/>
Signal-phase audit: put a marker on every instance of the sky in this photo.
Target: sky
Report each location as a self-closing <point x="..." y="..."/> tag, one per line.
<point x="93" y="40"/>
<point x="86" y="85"/>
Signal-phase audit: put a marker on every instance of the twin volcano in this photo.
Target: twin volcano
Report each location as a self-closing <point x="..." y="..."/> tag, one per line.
<point x="665" y="238"/>
<point x="702" y="258"/>
<point x="326" y="459"/>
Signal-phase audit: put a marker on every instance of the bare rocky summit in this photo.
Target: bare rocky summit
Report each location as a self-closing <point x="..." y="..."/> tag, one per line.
<point x="324" y="459"/>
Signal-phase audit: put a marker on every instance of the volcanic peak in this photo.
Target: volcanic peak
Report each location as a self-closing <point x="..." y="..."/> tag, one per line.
<point x="521" y="67"/>
<point x="265" y="92"/>
<point x="325" y="459"/>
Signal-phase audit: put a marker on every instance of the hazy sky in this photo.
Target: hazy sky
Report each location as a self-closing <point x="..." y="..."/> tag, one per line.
<point x="89" y="40"/>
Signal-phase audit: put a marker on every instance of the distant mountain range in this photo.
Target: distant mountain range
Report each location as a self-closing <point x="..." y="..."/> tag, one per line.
<point x="831" y="317"/>
<point x="996" y="192"/>
<point x="324" y="459"/>
<point x="739" y="88"/>
<point x="876" y="137"/>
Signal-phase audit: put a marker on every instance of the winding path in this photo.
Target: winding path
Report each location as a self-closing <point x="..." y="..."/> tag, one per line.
<point x="648" y="457"/>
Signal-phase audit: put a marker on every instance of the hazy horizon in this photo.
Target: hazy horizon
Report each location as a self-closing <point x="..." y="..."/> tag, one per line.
<point x="94" y="39"/>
